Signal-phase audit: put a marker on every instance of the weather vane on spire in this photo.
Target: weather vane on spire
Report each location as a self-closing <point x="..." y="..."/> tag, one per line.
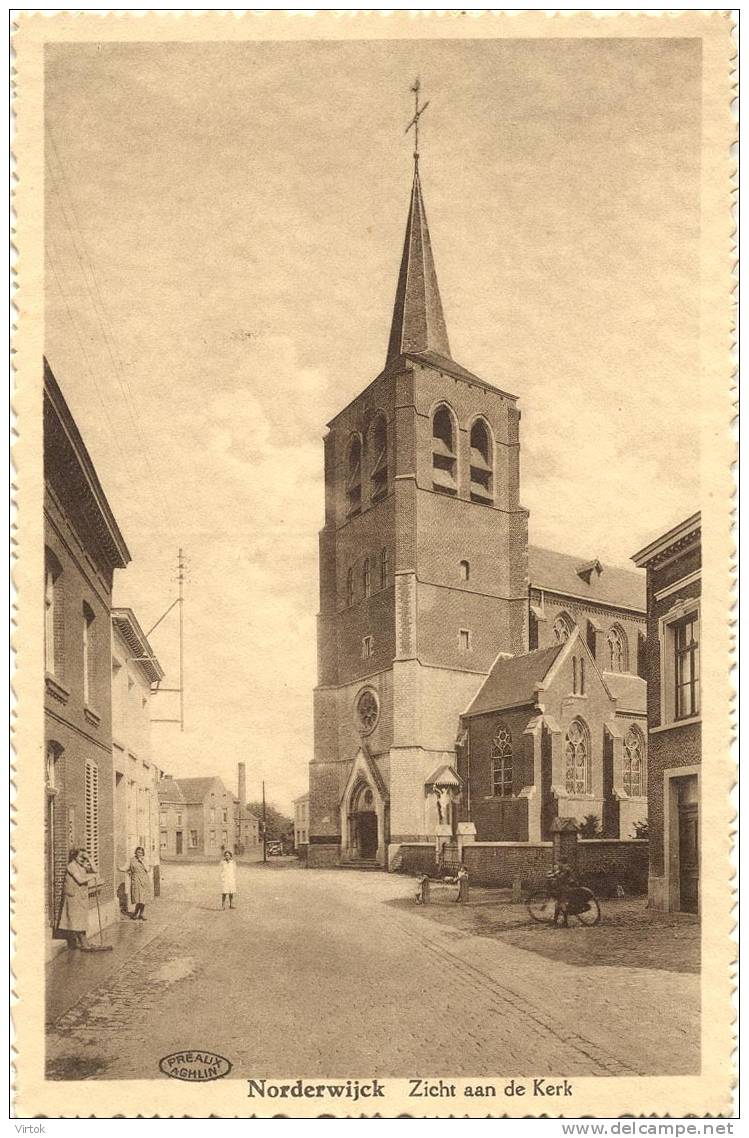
<point x="418" y="112"/>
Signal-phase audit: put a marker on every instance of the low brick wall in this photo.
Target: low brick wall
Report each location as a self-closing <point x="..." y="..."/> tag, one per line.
<point x="602" y="863"/>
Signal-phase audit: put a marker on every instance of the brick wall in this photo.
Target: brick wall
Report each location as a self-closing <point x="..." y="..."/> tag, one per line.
<point x="601" y="863"/>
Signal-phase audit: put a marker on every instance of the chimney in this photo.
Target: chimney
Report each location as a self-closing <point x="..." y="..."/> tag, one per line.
<point x="242" y="789"/>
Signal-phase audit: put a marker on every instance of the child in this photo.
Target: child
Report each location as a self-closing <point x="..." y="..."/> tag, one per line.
<point x="422" y="890"/>
<point x="461" y="880"/>
<point x="228" y="879"/>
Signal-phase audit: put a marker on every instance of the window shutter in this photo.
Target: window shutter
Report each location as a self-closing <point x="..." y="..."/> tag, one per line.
<point x="92" y="813"/>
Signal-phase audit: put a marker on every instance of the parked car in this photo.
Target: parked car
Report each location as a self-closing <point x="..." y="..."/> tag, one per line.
<point x="274" y="848"/>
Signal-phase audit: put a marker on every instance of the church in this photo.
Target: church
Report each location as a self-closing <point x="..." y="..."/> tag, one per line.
<point x="467" y="682"/>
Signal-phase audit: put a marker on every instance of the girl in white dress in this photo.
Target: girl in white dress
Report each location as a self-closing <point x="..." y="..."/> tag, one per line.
<point x="228" y="879"/>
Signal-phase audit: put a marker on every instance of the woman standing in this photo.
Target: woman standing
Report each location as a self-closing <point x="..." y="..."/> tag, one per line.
<point x="74" y="910"/>
<point x="228" y="879"/>
<point x="140" y="883"/>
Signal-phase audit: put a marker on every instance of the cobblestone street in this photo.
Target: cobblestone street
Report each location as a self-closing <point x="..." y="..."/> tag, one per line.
<point x="339" y="973"/>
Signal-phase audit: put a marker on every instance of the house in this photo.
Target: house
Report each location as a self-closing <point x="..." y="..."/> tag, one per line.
<point x="208" y="821"/>
<point x="301" y="823"/>
<point x="173" y="840"/>
<point x="135" y="671"/>
<point x="673" y="563"/>
<point x="83" y="547"/>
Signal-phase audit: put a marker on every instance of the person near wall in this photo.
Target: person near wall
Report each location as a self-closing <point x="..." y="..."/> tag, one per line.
<point x="140" y="883"/>
<point x="73" y="919"/>
<point x="228" y="879"/>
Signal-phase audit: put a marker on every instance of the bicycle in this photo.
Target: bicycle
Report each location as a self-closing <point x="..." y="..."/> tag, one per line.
<point x="543" y="906"/>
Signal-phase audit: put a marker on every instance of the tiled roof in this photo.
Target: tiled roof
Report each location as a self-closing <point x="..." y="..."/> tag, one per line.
<point x="560" y="573"/>
<point x="169" y="790"/>
<point x="513" y="680"/>
<point x="196" y="789"/>
<point x="629" y="691"/>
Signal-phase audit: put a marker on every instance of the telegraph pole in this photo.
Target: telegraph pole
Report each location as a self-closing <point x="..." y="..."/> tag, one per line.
<point x="265" y="855"/>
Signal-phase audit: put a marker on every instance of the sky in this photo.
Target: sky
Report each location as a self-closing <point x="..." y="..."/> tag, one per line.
<point x="224" y="225"/>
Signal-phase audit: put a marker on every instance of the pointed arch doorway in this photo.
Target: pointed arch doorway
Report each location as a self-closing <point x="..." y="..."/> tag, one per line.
<point x="363" y="813"/>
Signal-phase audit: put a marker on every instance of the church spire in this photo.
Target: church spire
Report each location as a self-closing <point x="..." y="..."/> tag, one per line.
<point x="418" y="321"/>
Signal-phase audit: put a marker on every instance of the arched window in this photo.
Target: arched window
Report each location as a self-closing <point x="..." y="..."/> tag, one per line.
<point x="89" y="652"/>
<point x="444" y="461"/>
<point x="501" y="756"/>
<point x="634" y="773"/>
<point x="465" y="571"/>
<point x="367" y="578"/>
<point x="54" y="611"/>
<point x="582" y="675"/>
<point x="353" y="477"/>
<point x="384" y="567"/>
<point x="562" y="628"/>
<point x="578" y="776"/>
<point x="574" y="675"/>
<point x="617" y="649"/>
<point x="350" y="588"/>
<point x="379" y="453"/>
<point x="482" y="483"/>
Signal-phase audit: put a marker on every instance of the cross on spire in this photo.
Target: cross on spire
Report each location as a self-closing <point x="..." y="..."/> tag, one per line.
<point x="418" y="112"/>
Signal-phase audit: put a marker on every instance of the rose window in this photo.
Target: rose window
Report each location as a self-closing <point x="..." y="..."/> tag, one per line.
<point x="367" y="711"/>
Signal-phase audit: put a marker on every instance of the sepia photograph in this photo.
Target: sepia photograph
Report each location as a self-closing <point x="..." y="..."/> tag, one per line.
<point x="365" y="572"/>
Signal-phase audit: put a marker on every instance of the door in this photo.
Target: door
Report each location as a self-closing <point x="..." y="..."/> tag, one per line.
<point x="367" y="830"/>
<point x="178" y="837"/>
<point x="689" y="866"/>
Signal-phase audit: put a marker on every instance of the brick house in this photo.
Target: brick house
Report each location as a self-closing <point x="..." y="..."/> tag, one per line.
<point x="208" y="822"/>
<point x="173" y="841"/>
<point x="82" y="548"/>
<point x="426" y="576"/>
<point x="674" y="565"/>
<point x="135" y="670"/>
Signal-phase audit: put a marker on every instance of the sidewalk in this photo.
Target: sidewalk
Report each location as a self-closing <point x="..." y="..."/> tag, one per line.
<point x="71" y="974"/>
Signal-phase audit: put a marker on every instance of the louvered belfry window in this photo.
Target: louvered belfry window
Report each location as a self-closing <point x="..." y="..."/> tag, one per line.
<point x="92" y="813"/>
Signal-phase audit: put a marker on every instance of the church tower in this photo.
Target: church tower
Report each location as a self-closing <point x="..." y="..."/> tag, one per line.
<point x="423" y="575"/>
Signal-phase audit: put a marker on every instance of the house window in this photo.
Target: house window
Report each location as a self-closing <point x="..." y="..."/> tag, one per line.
<point x="213" y="813"/>
<point x="89" y="652"/>
<point x="464" y="640"/>
<point x="686" y="667"/>
<point x="444" y="461"/>
<point x="162" y="818"/>
<point x="384" y="567"/>
<point x="617" y="649"/>
<point x="482" y="489"/>
<point x="501" y="756"/>
<point x="562" y="628"/>
<point x="179" y="819"/>
<point x="578" y="778"/>
<point x="634" y="774"/>
<point x="367" y="577"/>
<point x="193" y="839"/>
<point x="353" y="477"/>
<point x="367" y="647"/>
<point x="465" y="571"/>
<point x="53" y="615"/>
<point x="91" y="791"/>
<point x="212" y="839"/>
<point x="379" y="473"/>
<point x="163" y="840"/>
<point x="350" y="588"/>
<point x="226" y="816"/>
<point x="224" y="837"/>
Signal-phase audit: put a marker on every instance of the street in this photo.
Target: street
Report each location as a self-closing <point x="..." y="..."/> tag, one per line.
<point x="338" y="973"/>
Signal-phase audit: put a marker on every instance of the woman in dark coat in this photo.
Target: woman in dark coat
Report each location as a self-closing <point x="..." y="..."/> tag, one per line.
<point x="140" y="883"/>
